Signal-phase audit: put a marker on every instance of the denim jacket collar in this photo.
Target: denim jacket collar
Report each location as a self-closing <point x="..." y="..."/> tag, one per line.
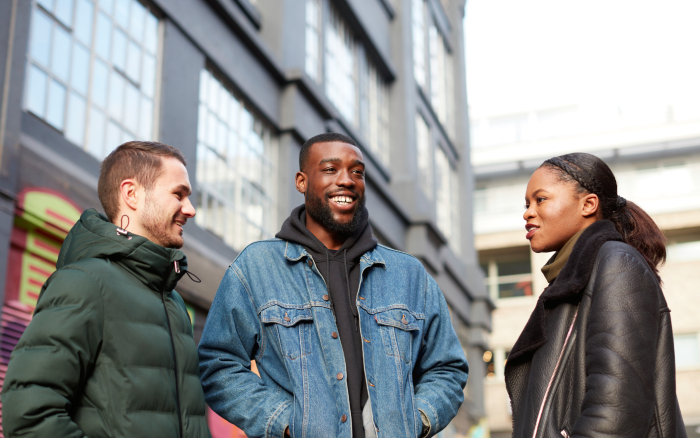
<point x="295" y="252"/>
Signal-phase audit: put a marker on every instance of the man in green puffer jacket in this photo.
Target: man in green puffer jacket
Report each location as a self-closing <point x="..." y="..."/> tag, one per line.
<point x="109" y="352"/>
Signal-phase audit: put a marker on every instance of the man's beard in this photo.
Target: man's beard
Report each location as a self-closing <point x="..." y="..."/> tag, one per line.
<point x="155" y="222"/>
<point x="321" y="212"/>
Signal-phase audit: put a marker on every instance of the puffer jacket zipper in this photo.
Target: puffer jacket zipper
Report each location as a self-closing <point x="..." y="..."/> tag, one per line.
<point x="176" y="267"/>
<point x="554" y="373"/>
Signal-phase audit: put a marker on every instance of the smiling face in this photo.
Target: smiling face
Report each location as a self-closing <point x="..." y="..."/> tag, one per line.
<point x="555" y="210"/>
<point x="166" y="207"/>
<point x="333" y="184"/>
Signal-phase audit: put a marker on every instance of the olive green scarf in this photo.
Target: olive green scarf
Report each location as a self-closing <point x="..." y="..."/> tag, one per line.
<point x="556" y="263"/>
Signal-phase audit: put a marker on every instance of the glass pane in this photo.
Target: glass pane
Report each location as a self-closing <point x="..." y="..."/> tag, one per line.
<point x="40" y="46"/>
<point x="116" y="95"/>
<point x="103" y="36"/>
<point x="80" y="70"/>
<point x="133" y="62"/>
<point x="203" y="85"/>
<point x="202" y="123"/>
<point x="60" y="53"/>
<point x="146" y="119"/>
<point x="83" y="21"/>
<point x="107" y="6"/>
<point x="119" y="49"/>
<point x="150" y="41"/>
<point x="97" y="133"/>
<point x="64" y="11"/>
<point x="148" y="80"/>
<point x="114" y="137"/>
<point x="136" y="24"/>
<point x="75" y="125"/>
<point x="36" y="91"/>
<point x="513" y="268"/>
<point x="516" y="289"/>
<point x="131" y="104"/>
<point x="214" y="93"/>
<point x="121" y="13"/>
<point x="211" y="130"/>
<point x="100" y="73"/>
<point x="55" y="108"/>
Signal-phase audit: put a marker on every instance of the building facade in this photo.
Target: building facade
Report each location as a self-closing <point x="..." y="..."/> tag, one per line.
<point x="654" y="152"/>
<point x="237" y="86"/>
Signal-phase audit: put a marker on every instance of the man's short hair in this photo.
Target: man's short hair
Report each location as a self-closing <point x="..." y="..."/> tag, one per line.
<point x="140" y="160"/>
<point x="321" y="138"/>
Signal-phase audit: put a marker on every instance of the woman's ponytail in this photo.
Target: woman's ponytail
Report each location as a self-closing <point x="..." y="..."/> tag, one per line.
<point x="637" y="228"/>
<point x="640" y="231"/>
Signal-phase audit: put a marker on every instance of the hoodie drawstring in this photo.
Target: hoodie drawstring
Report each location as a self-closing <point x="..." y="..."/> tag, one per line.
<point x="347" y="285"/>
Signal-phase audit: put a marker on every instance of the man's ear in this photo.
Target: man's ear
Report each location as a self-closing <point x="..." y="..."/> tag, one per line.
<point x="301" y="182"/>
<point x="590" y="205"/>
<point x="129" y="194"/>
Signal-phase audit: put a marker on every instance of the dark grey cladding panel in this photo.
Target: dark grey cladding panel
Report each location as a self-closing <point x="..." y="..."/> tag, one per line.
<point x="481" y="314"/>
<point x="455" y="297"/>
<point x="182" y="64"/>
<point x="375" y="20"/>
<point x="384" y="218"/>
<point x="299" y="113"/>
<point x="226" y="49"/>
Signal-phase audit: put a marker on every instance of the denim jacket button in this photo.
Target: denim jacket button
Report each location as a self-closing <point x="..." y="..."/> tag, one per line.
<point x="334" y="335"/>
<point x="310" y="263"/>
<point x="326" y="297"/>
<point x="344" y="418"/>
<point x="339" y="376"/>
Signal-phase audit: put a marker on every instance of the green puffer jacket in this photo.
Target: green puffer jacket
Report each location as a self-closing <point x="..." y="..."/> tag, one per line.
<point x="108" y="353"/>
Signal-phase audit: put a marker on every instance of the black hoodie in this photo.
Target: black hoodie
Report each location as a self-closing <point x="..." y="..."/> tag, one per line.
<point x="341" y="271"/>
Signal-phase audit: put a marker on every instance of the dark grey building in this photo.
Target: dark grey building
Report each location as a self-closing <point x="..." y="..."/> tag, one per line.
<point x="238" y="85"/>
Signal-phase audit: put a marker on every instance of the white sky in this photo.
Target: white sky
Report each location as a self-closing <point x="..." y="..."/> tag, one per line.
<point x="528" y="54"/>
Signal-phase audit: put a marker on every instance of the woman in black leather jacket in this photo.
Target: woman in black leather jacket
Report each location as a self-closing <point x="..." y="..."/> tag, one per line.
<point x="596" y="357"/>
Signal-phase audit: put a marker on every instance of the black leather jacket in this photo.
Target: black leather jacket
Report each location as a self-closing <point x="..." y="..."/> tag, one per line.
<point x="596" y="357"/>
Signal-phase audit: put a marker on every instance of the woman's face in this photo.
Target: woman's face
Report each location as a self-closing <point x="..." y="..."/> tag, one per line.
<point x="555" y="211"/>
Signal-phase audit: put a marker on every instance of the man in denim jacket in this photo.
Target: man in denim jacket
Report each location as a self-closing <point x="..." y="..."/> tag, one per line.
<point x="351" y="339"/>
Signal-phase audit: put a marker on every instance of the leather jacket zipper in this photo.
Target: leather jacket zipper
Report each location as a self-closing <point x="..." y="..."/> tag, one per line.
<point x="554" y="373"/>
<point x="176" y="267"/>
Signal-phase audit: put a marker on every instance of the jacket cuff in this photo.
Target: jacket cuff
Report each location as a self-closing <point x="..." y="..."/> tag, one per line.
<point x="279" y="421"/>
<point x="427" y="413"/>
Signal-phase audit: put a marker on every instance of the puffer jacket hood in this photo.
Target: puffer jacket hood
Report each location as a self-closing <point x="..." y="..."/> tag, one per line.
<point x="94" y="236"/>
<point x="109" y="352"/>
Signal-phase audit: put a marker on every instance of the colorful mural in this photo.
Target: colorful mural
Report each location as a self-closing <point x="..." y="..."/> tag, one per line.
<point x="43" y="218"/>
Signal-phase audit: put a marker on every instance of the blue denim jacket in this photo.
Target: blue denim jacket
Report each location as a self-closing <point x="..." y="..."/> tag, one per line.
<point x="270" y="308"/>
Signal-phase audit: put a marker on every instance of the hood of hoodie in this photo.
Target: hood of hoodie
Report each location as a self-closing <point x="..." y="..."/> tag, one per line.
<point x="94" y="236"/>
<point x="294" y="230"/>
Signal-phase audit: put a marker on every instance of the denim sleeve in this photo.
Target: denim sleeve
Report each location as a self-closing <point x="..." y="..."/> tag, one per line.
<point x="441" y="371"/>
<point x="229" y="341"/>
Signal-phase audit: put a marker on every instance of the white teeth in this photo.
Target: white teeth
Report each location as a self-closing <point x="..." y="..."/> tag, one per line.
<point x="343" y="200"/>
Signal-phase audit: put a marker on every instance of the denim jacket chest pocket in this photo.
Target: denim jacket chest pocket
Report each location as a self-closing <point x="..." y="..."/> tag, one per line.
<point x="290" y="326"/>
<point x="398" y="327"/>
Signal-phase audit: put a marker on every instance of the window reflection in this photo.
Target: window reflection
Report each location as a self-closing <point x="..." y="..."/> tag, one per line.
<point x="61" y="66"/>
<point x="235" y="170"/>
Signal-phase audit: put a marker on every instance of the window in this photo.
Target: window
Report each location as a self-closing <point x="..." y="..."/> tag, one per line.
<point x="313" y="38"/>
<point x="374" y="111"/>
<point x="91" y="70"/>
<point x="424" y="157"/>
<point x="235" y="167"/>
<point x="447" y="202"/>
<point x="687" y="349"/>
<point x="341" y="67"/>
<point x="495" y="363"/>
<point x="508" y="277"/>
<point x="433" y="65"/>
<point x="351" y="80"/>
<point x="418" y="22"/>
